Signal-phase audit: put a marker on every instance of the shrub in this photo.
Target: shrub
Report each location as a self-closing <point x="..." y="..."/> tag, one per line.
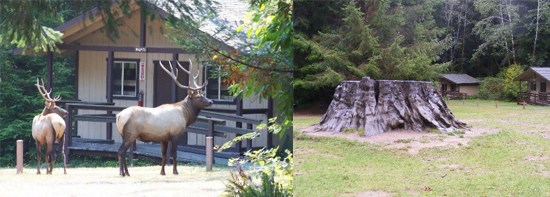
<point x="273" y="175"/>
<point x="491" y="88"/>
<point x="510" y="88"/>
<point x="503" y="86"/>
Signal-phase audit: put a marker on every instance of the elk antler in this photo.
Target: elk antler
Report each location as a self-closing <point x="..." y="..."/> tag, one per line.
<point x="45" y="94"/>
<point x="174" y="76"/>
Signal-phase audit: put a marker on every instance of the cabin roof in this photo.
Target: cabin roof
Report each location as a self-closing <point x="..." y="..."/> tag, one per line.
<point x="460" y="78"/>
<point x="222" y="27"/>
<point x="544" y="72"/>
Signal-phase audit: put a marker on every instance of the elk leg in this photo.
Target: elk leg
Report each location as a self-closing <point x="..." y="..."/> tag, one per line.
<point x="122" y="157"/>
<point x="53" y="157"/>
<point x="174" y="146"/>
<point x="63" y="155"/>
<point x="38" y="156"/>
<point x="49" y="158"/>
<point x="163" y="147"/>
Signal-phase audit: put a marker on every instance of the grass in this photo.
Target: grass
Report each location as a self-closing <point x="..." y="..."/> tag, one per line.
<point x="492" y="165"/>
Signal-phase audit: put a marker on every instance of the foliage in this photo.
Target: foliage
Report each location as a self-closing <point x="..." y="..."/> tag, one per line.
<point x="491" y="88"/>
<point x="262" y="65"/>
<point x="415" y="40"/>
<point x="25" y="30"/>
<point x="510" y="88"/>
<point x="20" y="101"/>
<point x="33" y="28"/>
<point x="503" y="86"/>
<point x="273" y="175"/>
<point x="381" y="40"/>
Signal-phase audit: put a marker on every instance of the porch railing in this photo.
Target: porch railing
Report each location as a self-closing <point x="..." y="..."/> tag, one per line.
<point x="534" y="98"/>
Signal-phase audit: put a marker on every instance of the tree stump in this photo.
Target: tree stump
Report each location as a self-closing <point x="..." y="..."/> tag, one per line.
<point x="378" y="106"/>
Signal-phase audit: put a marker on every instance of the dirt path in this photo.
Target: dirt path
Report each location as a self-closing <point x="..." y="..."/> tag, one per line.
<point x="145" y="181"/>
<point x="409" y="141"/>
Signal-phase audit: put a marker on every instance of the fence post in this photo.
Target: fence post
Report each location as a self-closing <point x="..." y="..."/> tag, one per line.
<point x="209" y="152"/>
<point x="19" y="153"/>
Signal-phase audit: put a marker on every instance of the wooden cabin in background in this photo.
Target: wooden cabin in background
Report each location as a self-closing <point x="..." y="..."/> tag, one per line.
<point x="458" y="85"/>
<point x="538" y="86"/>
<point x="114" y="75"/>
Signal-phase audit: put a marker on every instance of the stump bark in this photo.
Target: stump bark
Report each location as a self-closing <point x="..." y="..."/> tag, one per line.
<point x="377" y="106"/>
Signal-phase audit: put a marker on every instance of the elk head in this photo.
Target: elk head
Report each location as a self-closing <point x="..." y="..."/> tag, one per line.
<point x="50" y="106"/>
<point x="194" y="95"/>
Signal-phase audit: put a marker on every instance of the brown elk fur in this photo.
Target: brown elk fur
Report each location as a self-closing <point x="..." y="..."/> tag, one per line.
<point x="162" y="124"/>
<point x="48" y="127"/>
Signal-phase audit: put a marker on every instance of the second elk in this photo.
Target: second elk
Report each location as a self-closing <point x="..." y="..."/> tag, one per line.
<point x="163" y="124"/>
<point x="48" y="127"/>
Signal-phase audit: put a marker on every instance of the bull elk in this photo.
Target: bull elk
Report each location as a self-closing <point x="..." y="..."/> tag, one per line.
<point x="163" y="124"/>
<point x="48" y="127"/>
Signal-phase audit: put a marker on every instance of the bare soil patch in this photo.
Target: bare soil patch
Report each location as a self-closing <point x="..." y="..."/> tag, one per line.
<point x="536" y="158"/>
<point x="409" y="141"/>
<point x="373" y="194"/>
<point x="144" y="181"/>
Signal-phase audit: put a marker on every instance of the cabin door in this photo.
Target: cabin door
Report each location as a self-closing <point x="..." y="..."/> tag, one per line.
<point x="166" y="91"/>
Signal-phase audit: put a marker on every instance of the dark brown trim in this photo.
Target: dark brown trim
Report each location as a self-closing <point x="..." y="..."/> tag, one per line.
<point x="77" y="20"/>
<point x="269" y="115"/>
<point x="142" y="29"/>
<point x="109" y="90"/>
<point x="239" y="112"/>
<point x="49" y="70"/>
<point x="76" y="71"/>
<point x="110" y="58"/>
<point x="137" y="49"/>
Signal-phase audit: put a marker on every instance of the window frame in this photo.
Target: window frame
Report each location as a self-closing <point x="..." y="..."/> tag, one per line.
<point x="122" y="97"/>
<point x="218" y="85"/>
<point x="542" y="86"/>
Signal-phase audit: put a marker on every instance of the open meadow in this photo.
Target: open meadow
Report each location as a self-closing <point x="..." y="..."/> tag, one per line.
<point x="144" y="181"/>
<point x="505" y="152"/>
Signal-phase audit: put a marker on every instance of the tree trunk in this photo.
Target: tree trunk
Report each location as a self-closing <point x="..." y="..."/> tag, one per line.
<point x="378" y="106"/>
<point x="536" y="30"/>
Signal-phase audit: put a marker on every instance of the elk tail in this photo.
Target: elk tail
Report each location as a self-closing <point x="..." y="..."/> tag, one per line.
<point x="121" y="120"/>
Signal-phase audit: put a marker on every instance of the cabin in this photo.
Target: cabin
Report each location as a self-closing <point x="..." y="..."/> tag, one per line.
<point x="113" y="75"/>
<point x="458" y="85"/>
<point x="537" y="79"/>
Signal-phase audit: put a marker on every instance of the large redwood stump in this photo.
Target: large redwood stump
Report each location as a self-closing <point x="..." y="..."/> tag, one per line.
<point x="378" y="106"/>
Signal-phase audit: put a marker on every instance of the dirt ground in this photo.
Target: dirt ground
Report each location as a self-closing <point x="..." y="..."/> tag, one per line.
<point x="409" y="141"/>
<point x="144" y="181"/>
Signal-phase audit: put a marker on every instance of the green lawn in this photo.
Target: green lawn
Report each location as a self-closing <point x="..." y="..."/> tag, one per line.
<point x="513" y="162"/>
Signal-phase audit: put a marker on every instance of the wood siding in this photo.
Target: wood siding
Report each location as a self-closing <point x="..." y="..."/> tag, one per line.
<point x="93" y="71"/>
<point x="470" y="90"/>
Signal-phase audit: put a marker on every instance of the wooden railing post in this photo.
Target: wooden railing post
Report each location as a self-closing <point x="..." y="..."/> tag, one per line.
<point x="210" y="146"/>
<point x="239" y="112"/>
<point x="209" y="153"/>
<point x="249" y="141"/>
<point x="19" y="156"/>
<point x="269" y="115"/>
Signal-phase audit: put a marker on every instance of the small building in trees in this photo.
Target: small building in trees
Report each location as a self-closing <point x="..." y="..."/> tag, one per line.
<point x="538" y="84"/>
<point x="455" y="85"/>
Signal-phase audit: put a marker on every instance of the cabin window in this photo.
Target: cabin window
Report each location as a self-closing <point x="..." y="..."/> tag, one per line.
<point x="125" y="78"/>
<point x="453" y="87"/>
<point x="216" y="88"/>
<point x="443" y="87"/>
<point x="533" y="86"/>
<point x="542" y="86"/>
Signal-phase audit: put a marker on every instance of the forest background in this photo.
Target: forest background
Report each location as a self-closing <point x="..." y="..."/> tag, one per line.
<point x="493" y="40"/>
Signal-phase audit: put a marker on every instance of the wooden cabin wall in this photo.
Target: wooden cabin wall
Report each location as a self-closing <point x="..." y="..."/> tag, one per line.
<point x="470" y="90"/>
<point x="92" y="76"/>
